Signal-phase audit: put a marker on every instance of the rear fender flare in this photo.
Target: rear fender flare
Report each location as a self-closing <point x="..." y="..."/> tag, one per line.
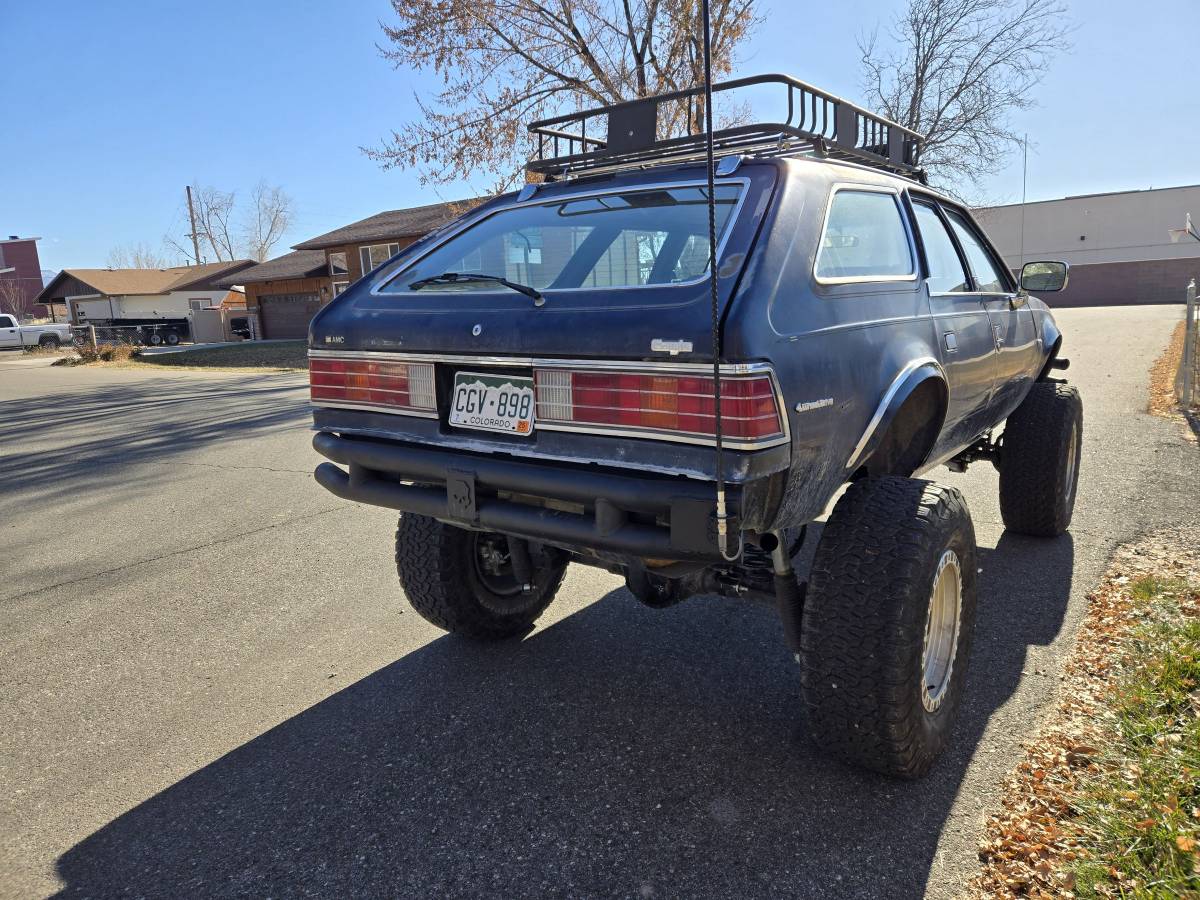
<point x="918" y="372"/>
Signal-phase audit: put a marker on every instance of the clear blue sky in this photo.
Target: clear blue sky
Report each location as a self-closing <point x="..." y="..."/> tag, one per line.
<point x="109" y="109"/>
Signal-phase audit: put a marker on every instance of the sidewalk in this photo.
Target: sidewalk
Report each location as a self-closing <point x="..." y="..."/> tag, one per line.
<point x="187" y="348"/>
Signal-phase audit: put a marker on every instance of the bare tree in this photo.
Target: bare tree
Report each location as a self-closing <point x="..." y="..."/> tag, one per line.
<point x="228" y="232"/>
<point x="506" y="62"/>
<point x="214" y="221"/>
<point x="139" y="256"/>
<point x="16" y="298"/>
<point x="269" y="217"/>
<point x="960" y="68"/>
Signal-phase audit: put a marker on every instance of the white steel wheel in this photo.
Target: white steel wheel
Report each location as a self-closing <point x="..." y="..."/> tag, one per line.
<point x="942" y="623"/>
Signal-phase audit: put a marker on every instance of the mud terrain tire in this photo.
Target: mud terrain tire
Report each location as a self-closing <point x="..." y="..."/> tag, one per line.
<point x="888" y="543"/>
<point x="447" y="582"/>
<point x="1039" y="461"/>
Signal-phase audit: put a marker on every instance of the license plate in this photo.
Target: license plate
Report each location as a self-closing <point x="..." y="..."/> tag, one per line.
<point x="492" y="403"/>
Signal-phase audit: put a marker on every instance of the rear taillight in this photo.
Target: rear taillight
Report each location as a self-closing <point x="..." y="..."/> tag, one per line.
<point x="404" y="387"/>
<point x="670" y="404"/>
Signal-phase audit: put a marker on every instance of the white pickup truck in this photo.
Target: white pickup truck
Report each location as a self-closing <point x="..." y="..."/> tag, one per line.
<point x="14" y="336"/>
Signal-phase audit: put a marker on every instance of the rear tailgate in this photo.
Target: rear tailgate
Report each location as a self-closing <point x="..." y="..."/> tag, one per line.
<point x="586" y="321"/>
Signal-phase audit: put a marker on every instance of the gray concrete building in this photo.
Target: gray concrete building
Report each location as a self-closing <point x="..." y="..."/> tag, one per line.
<point x="1118" y="244"/>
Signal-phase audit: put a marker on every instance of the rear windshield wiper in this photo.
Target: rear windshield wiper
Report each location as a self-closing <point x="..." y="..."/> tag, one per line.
<point x="455" y="277"/>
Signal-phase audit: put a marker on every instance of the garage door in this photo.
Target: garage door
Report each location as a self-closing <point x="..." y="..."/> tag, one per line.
<point x="287" y="315"/>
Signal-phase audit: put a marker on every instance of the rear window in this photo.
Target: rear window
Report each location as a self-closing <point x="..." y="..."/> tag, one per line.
<point x="627" y="239"/>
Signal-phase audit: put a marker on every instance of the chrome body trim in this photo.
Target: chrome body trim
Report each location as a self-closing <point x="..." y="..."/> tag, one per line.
<point x="673" y="437"/>
<point x="545" y="362"/>
<point x="373" y="407"/>
<point x="889" y="395"/>
<point x="979" y="294"/>
<point x="727" y="165"/>
<point x="377" y="290"/>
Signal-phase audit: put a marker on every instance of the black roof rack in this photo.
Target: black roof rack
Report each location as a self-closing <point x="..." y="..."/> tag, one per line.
<point x="817" y="123"/>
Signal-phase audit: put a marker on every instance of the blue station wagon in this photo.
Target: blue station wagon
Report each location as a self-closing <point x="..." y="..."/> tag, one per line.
<point x="670" y="371"/>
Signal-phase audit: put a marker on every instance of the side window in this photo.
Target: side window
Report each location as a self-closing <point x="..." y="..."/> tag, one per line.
<point x="946" y="273"/>
<point x="375" y="255"/>
<point x="864" y="238"/>
<point x="337" y="264"/>
<point x="987" y="277"/>
<point x="8" y="322"/>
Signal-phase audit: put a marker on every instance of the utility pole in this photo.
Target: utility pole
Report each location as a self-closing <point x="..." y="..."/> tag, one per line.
<point x="192" y="219"/>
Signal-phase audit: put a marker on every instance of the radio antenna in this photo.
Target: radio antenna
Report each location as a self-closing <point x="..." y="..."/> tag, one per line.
<point x="722" y="516"/>
<point x="1024" y="185"/>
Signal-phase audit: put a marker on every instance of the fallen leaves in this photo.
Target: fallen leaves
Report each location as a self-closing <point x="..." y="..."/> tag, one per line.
<point x="1034" y="840"/>
<point x="1163" y="401"/>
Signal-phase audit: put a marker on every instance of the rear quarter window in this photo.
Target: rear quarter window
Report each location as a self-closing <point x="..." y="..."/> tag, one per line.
<point x="864" y="239"/>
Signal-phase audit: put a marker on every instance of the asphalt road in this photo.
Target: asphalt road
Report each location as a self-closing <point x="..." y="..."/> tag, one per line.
<point x="210" y="683"/>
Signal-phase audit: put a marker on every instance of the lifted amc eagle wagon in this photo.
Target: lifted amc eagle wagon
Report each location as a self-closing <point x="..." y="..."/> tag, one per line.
<point x="533" y="385"/>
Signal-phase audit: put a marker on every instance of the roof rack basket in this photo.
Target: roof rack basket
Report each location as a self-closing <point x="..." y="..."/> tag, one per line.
<point x="817" y="123"/>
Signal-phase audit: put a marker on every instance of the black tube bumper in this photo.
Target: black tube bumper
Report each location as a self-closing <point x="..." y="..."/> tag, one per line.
<point x="644" y="516"/>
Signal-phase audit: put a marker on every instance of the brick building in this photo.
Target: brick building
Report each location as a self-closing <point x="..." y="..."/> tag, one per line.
<point x="1118" y="245"/>
<point x="21" y="278"/>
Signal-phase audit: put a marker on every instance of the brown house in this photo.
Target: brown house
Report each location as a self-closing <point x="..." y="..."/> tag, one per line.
<point x="287" y="291"/>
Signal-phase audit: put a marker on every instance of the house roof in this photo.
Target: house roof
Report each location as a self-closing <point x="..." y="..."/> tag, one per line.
<point x="117" y="282"/>
<point x="394" y="223"/>
<point x="297" y="264"/>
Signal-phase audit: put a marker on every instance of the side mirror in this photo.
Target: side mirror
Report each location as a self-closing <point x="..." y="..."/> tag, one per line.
<point x="1044" y="277"/>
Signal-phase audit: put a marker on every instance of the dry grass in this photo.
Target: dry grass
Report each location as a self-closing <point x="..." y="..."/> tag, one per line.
<point x="101" y="353"/>
<point x="48" y="351"/>
<point x="1106" y="802"/>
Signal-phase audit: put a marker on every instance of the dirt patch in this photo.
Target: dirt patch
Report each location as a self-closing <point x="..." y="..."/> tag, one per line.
<point x="1106" y="802"/>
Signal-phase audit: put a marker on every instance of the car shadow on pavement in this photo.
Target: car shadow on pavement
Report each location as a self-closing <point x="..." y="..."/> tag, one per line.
<point x="620" y="751"/>
<point x="98" y="433"/>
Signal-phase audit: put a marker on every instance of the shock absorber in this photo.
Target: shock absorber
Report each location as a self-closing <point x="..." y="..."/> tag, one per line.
<point x="522" y="565"/>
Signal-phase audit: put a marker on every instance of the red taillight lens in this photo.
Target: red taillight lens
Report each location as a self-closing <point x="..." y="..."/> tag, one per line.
<point x="395" y="385"/>
<point x="680" y="404"/>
